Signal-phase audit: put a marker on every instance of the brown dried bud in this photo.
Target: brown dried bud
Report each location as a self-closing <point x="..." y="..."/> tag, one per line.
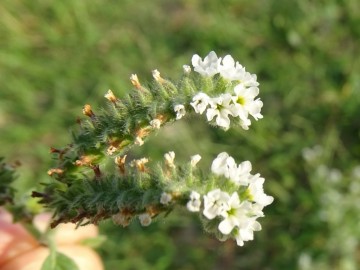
<point x="120" y="161"/>
<point x="54" y="150"/>
<point x="56" y="171"/>
<point x="152" y="210"/>
<point x="84" y="161"/>
<point x="87" y="111"/>
<point x="123" y="218"/>
<point x="140" y="164"/>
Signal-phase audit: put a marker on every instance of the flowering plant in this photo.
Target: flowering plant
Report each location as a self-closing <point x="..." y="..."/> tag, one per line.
<point x="228" y="200"/>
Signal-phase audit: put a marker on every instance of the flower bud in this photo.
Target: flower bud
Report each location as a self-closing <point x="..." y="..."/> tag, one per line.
<point x="145" y="219"/>
<point x="135" y="81"/>
<point x="140" y="164"/>
<point x="165" y="198"/>
<point x="110" y="96"/>
<point x="169" y="159"/>
<point x="194" y="160"/>
<point x="157" y="77"/>
<point x="120" y="162"/>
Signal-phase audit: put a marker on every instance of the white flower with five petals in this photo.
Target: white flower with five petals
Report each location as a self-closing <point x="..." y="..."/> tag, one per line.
<point x="240" y="175"/>
<point x="221" y="108"/>
<point x="180" y="111"/>
<point x="230" y="70"/>
<point x="200" y="102"/>
<point x="246" y="231"/>
<point x="244" y="103"/>
<point x="215" y="203"/>
<point x="236" y="214"/>
<point x="223" y="164"/>
<point x="208" y="67"/>
<point x="256" y="191"/>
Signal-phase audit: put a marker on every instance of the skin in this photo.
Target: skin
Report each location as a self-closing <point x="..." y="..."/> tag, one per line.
<point x="19" y="250"/>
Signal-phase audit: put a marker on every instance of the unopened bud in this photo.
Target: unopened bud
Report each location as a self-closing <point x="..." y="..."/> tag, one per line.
<point x="187" y="69"/>
<point x="194" y="160"/>
<point x="157" y="77"/>
<point x="140" y="164"/>
<point x="165" y="198"/>
<point x="145" y="219"/>
<point x="169" y="159"/>
<point x="110" y="96"/>
<point x="135" y="81"/>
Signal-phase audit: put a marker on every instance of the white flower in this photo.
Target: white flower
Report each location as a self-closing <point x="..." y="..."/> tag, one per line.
<point x="194" y="204"/>
<point x="240" y="175"/>
<point x="169" y="159"/>
<point x="256" y="191"/>
<point x="221" y="109"/>
<point x="194" y="160"/>
<point x="244" y="103"/>
<point x="248" y="80"/>
<point x="200" y="102"/>
<point x="245" y="123"/>
<point x="155" y="123"/>
<point x="230" y="70"/>
<point x="180" y="111"/>
<point x="246" y="231"/>
<point x="208" y="67"/>
<point x="215" y="203"/>
<point x="236" y="213"/>
<point x="165" y="198"/>
<point x="145" y="219"/>
<point x="223" y="164"/>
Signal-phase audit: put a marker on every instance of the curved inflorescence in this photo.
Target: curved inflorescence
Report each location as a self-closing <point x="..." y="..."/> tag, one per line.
<point x="228" y="200"/>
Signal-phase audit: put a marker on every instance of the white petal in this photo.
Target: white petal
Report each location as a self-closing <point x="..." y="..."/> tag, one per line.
<point x="227" y="225"/>
<point x="210" y="113"/>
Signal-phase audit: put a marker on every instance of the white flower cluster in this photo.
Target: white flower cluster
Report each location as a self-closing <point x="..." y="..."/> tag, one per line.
<point x="240" y="103"/>
<point x="238" y="217"/>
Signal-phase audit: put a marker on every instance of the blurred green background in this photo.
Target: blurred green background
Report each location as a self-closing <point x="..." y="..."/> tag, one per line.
<point x="55" y="56"/>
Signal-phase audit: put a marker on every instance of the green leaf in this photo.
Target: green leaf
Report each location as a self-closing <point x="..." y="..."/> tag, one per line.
<point x="58" y="261"/>
<point x="94" y="242"/>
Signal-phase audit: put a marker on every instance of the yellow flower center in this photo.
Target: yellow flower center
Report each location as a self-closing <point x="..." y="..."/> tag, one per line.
<point x="241" y="100"/>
